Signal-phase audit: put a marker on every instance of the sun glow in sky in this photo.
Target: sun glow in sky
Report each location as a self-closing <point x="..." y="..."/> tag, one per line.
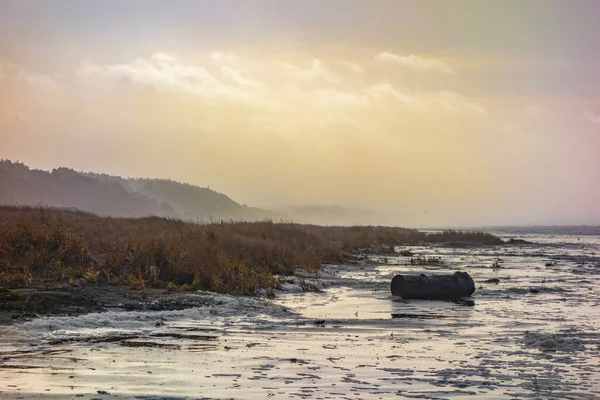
<point x="480" y="112"/>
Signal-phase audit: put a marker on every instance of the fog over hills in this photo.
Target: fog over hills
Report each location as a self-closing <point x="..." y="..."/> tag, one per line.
<point x="333" y="215"/>
<point x="116" y="196"/>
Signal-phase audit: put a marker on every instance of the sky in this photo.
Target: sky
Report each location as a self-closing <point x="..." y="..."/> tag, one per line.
<point x="435" y="113"/>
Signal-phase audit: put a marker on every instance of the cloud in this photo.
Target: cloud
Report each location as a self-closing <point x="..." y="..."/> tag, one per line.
<point x="222" y="57"/>
<point x="167" y="73"/>
<point x="16" y="74"/>
<point x="283" y="84"/>
<point x="40" y="81"/>
<point x="590" y="117"/>
<point x="415" y="63"/>
<point x="385" y="90"/>
<point x="355" y="67"/>
<point x="238" y="78"/>
<point x="457" y="103"/>
<point x="437" y="102"/>
<point x="163" y="58"/>
<point x="316" y="72"/>
<point x="336" y="98"/>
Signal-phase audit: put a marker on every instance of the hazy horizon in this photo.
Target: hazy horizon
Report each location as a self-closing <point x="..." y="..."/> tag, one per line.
<point x="464" y="113"/>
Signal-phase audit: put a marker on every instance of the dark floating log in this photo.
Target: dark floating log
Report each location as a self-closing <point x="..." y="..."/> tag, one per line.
<point x="433" y="287"/>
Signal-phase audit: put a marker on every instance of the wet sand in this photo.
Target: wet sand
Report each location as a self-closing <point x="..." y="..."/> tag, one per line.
<point x="534" y="334"/>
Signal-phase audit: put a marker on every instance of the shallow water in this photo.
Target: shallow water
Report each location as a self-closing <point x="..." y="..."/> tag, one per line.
<point x="536" y="334"/>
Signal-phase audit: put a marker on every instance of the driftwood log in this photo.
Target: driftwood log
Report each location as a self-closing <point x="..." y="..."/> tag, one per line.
<point x="433" y="287"/>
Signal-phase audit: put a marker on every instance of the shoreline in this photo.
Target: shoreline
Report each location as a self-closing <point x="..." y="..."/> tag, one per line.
<point x="63" y="300"/>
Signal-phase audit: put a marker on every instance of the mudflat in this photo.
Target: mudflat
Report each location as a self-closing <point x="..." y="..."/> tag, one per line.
<point x="530" y="330"/>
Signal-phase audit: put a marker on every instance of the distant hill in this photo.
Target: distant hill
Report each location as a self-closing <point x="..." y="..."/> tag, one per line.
<point x="116" y="196"/>
<point x="332" y="215"/>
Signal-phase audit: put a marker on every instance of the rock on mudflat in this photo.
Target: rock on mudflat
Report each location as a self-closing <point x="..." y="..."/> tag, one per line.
<point x="433" y="287"/>
<point x="291" y="288"/>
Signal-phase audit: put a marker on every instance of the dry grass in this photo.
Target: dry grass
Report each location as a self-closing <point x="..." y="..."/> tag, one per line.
<point x="467" y="237"/>
<point x="48" y="245"/>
